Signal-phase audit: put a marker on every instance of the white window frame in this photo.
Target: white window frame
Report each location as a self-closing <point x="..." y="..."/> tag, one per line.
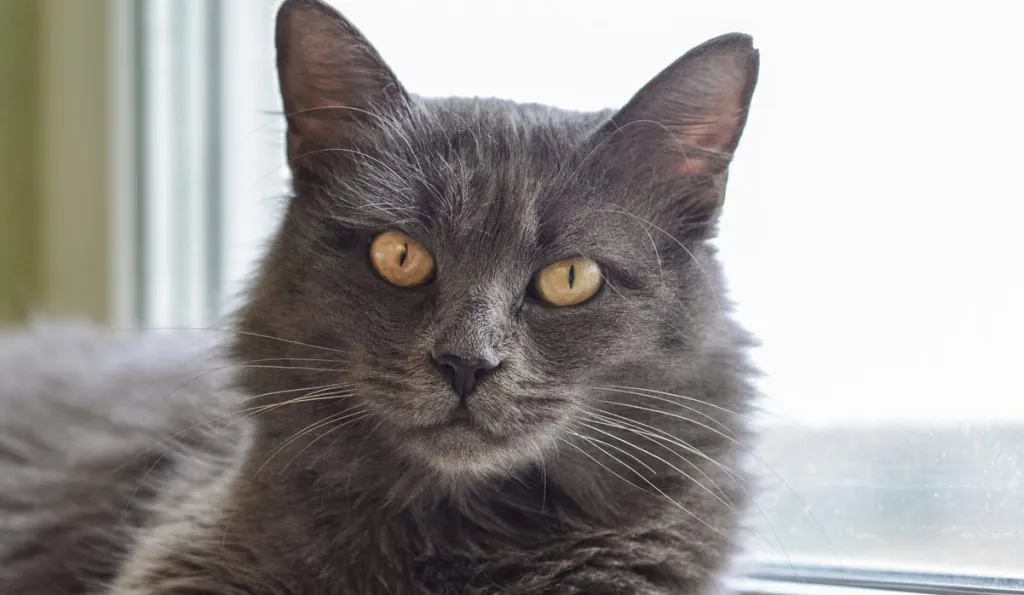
<point x="186" y="153"/>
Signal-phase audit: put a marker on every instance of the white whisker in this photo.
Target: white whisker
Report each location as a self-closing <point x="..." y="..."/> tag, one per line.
<point x="673" y="395"/>
<point x="605" y="467"/>
<point x="805" y="508"/>
<point x="361" y="415"/>
<point x="612" y="446"/>
<point x="727" y="503"/>
<point x="658" y="432"/>
<point x="680" y="417"/>
<point x="657" y="489"/>
<point x="235" y="331"/>
<point x="670" y="439"/>
<point x="295" y="401"/>
<point x="334" y="417"/>
<point x="739" y="484"/>
<point x="667" y="400"/>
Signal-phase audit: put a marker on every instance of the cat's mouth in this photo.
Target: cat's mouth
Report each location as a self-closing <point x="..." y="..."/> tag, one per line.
<point x="462" y="419"/>
<point x="459" y="432"/>
<point x="486" y="437"/>
<point x="461" y="416"/>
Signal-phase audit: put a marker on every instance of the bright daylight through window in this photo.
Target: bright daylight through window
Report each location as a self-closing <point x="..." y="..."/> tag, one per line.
<point x="869" y="238"/>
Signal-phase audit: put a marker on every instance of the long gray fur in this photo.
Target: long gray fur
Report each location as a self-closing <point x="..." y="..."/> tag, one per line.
<point x="608" y="452"/>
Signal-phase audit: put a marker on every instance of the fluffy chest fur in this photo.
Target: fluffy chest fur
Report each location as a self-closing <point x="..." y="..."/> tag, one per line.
<point x="333" y="532"/>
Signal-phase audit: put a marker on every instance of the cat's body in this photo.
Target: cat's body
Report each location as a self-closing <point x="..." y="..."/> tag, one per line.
<point x="99" y="448"/>
<point x="93" y="427"/>
<point x="597" y="449"/>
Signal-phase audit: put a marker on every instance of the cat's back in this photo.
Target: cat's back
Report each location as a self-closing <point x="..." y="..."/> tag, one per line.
<point x="71" y="393"/>
<point x="92" y="422"/>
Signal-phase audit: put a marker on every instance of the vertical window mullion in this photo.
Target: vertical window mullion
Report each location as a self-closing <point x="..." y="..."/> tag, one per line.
<point x="178" y="163"/>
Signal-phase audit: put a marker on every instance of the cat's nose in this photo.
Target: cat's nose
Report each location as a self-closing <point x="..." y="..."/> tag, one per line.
<point x="463" y="374"/>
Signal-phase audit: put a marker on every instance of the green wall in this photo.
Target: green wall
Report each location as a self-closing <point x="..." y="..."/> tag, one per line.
<point x="20" y="156"/>
<point x="55" y="204"/>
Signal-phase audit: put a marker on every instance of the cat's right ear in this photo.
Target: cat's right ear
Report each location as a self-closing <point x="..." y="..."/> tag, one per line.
<point x="691" y="115"/>
<point x="332" y="80"/>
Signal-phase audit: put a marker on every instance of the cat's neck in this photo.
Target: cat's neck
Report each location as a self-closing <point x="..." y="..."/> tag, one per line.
<point x="364" y="489"/>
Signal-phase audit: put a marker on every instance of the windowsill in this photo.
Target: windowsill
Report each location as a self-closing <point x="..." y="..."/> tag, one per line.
<point x="772" y="578"/>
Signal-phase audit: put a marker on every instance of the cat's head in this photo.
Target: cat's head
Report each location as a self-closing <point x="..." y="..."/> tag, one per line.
<point x="466" y="270"/>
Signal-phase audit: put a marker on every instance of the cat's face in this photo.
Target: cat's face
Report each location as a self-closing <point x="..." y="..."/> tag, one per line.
<point x="486" y="216"/>
<point x="476" y="267"/>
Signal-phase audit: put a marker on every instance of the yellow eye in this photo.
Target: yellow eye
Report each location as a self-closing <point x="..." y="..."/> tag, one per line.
<point x="401" y="260"/>
<point x="569" y="282"/>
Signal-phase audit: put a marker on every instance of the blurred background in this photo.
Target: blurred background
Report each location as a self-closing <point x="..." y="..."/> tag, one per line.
<point x="871" y="234"/>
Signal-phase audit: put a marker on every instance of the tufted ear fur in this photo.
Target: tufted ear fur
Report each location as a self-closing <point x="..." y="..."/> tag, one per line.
<point x="691" y="115"/>
<point x="331" y="78"/>
<point x="684" y="125"/>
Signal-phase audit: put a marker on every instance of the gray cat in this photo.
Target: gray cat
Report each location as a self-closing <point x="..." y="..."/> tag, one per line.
<point x="487" y="352"/>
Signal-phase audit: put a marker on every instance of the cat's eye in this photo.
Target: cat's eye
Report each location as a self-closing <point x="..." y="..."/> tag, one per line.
<point x="568" y="282"/>
<point x="401" y="260"/>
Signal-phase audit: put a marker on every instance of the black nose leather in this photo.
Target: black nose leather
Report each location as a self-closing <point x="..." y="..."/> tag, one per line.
<point x="463" y="374"/>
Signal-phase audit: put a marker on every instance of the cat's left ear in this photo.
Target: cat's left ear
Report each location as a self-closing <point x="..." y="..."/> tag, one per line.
<point x="332" y="80"/>
<point x="688" y="120"/>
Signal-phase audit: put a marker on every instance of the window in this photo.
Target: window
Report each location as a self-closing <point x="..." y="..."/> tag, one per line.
<point x="870" y="235"/>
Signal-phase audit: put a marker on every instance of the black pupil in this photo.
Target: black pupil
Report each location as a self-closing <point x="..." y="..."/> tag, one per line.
<point x="572" y="275"/>
<point x="404" y="255"/>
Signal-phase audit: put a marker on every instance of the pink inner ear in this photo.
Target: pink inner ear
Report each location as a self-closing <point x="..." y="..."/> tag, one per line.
<point x="713" y="132"/>
<point x="314" y="104"/>
<point x="692" y="166"/>
<point x="696" y="139"/>
<point x="330" y="76"/>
